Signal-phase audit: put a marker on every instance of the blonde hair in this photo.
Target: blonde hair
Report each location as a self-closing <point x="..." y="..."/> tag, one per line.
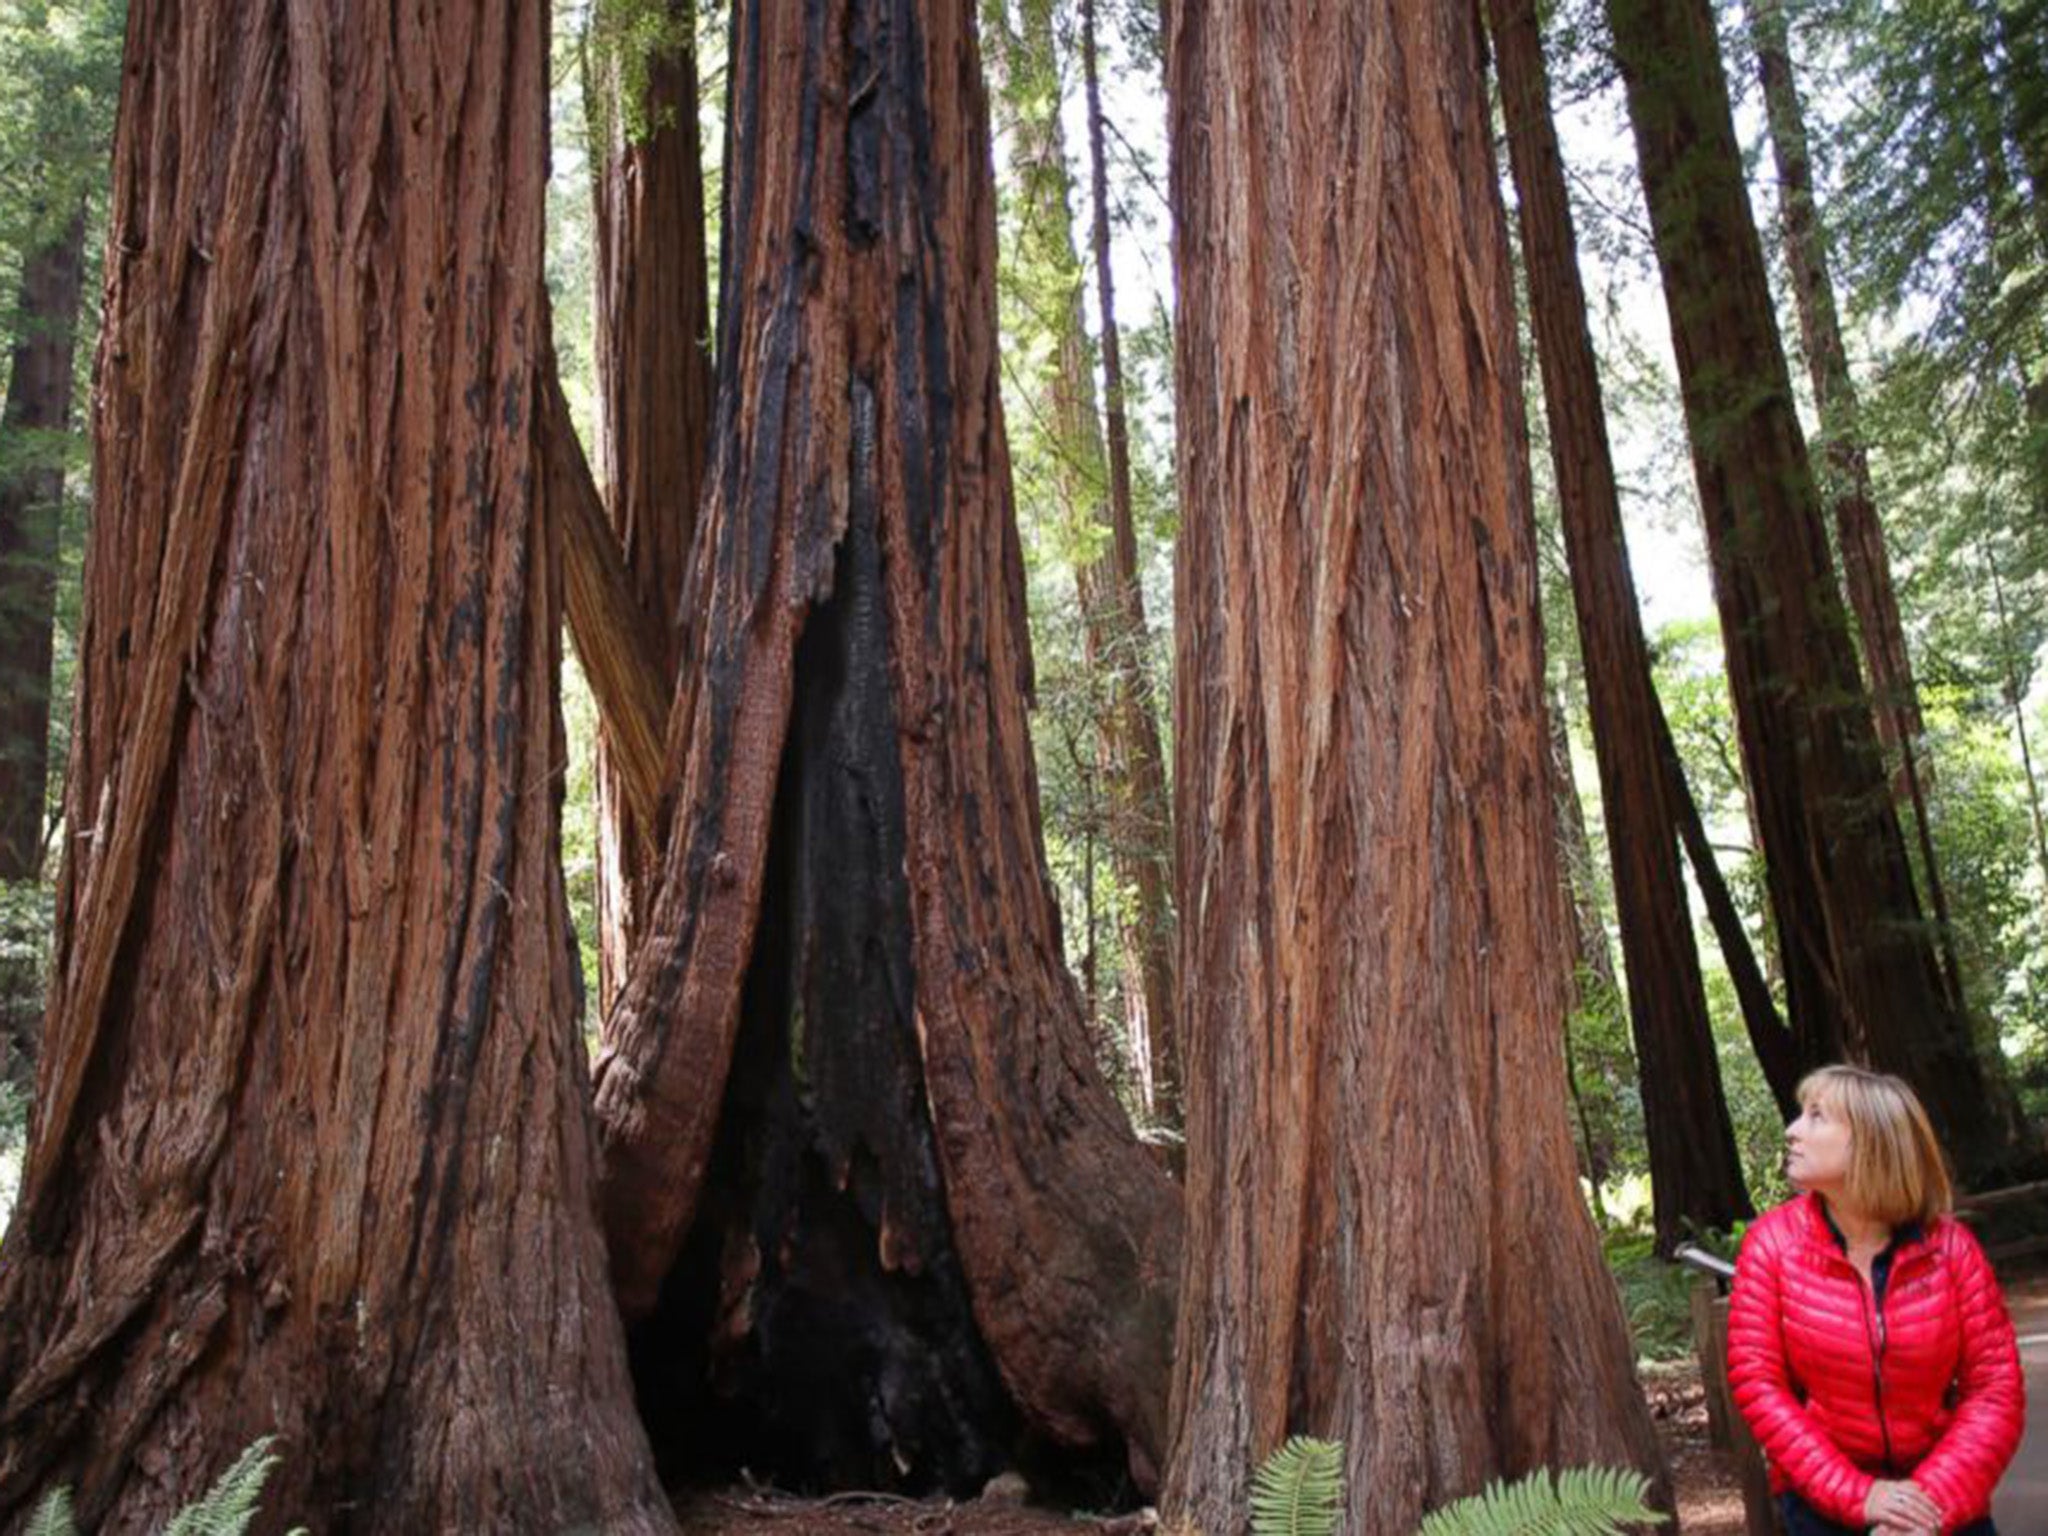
<point x="1896" y="1170"/>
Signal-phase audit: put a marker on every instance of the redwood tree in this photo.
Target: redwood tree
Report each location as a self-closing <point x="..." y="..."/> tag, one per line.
<point x="312" y="1150"/>
<point x="849" y="1049"/>
<point x="32" y="427"/>
<point x="1142" y="810"/>
<point x="654" y="384"/>
<point x="1386" y="1240"/>
<point x="37" y="412"/>
<point x="1093" y="478"/>
<point x="1861" y="976"/>
<point x="1859" y="535"/>
<point x="1695" y="1169"/>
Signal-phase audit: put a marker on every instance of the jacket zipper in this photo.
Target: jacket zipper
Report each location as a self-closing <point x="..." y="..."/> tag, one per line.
<point x="1876" y="1343"/>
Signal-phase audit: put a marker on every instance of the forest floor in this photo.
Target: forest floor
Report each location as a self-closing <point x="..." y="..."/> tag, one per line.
<point x="1709" y="1498"/>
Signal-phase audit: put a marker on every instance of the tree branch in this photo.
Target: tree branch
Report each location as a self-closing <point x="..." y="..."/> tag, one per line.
<point x="604" y="616"/>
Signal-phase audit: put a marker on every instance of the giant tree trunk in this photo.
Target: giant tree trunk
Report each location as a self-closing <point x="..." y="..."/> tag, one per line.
<point x="1695" y="1169"/>
<point x="1386" y="1241"/>
<point x="312" y="1151"/>
<point x="1866" y="566"/>
<point x="37" y="412"/>
<point x="1860" y="968"/>
<point x="654" y="381"/>
<point x="854" y="959"/>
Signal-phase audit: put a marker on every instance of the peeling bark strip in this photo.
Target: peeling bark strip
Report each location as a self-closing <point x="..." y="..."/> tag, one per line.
<point x="1860" y="971"/>
<point x="312" y="1152"/>
<point x="857" y="346"/>
<point x="1695" y="1170"/>
<point x="1386" y="1241"/>
<point x="654" y="377"/>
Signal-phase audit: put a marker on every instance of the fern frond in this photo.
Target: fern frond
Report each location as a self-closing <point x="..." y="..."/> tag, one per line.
<point x="229" y="1504"/>
<point x="1580" y="1501"/>
<point x="53" y="1516"/>
<point x="1300" y="1489"/>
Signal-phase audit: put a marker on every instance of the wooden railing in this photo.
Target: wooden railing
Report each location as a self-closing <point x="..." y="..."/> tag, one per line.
<point x="1726" y="1427"/>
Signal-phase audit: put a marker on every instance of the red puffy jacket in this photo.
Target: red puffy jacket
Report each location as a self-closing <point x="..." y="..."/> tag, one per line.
<point x="1840" y="1392"/>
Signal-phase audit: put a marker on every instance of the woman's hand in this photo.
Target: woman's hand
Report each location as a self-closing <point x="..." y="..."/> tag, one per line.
<point x="1902" y="1507"/>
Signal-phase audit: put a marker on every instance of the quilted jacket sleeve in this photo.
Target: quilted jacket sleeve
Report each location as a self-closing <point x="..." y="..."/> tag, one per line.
<point x="1991" y="1409"/>
<point x="1761" y="1385"/>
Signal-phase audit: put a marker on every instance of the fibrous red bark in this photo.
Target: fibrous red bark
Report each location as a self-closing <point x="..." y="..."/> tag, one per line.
<point x="1386" y="1240"/>
<point x="1695" y="1169"/>
<point x="312" y="1152"/>
<point x="853" y="722"/>
<point x="1861" y="975"/>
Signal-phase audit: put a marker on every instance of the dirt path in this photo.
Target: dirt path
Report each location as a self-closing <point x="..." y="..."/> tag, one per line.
<point x="1709" y="1500"/>
<point x="2021" y="1504"/>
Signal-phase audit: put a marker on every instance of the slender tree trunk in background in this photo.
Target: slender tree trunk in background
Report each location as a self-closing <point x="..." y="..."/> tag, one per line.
<point x="1777" y="1052"/>
<point x="1695" y="1168"/>
<point x="921" y="1193"/>
<point x="1140" y="803"/>
<point x="1866" y="565"/>
<point x="654" y="383"/>
<point x="1592" y="955"/>
<point x="1861" y="972"/>
<point x="32" y="427"/>
<point x="2024" y="96"/>
<point x="1095" y="487"/>
<point x="36" y="415"/>
<point x="1386" y="1240"/>
<point x="2006" y="125"/>
<point x="1595" y="956"/>
<point x="2015" y="700"/>
<point x="312" y="1152"/>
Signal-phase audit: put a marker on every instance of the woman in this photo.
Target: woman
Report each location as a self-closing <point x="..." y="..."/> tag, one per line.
<point x="1868" y="1345"/>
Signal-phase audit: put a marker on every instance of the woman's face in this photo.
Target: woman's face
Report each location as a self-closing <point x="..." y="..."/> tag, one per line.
<point x="1817" y="1147"/>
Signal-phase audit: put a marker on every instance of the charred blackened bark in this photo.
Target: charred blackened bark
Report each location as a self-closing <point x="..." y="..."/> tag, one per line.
<point x="841" y="1349"/>
<point x="654" y="383"/>
<point x="857" y="367"/>
<point x="1860" y="968"/>
<point x="1695" y="1169"/>
<point x="313" y="1153"/>
<point x="1386" y="1239"/>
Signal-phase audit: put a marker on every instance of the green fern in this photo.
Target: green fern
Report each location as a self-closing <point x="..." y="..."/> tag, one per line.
<point x="1300" y="1489"/>
<point x="229" y="1504"/>
<point x="53" y="1516"/>
<point x="1581" y="1501"/>
<point x="226" y="1510"/>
